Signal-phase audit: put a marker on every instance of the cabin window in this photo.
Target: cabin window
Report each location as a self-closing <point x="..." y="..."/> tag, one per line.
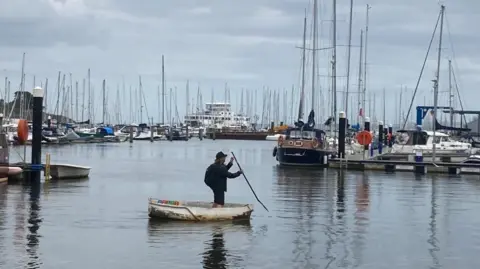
<point x="437" y="140"/>
<point x="297" y="134"/>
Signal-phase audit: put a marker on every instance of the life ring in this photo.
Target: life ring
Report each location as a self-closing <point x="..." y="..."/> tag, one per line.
<point x="280" y="140"/>
<point x="314" y="142"/>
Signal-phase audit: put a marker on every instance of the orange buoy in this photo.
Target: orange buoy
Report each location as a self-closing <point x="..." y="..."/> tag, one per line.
<point x="22" y="131"/>
<point x="364" y="138"/>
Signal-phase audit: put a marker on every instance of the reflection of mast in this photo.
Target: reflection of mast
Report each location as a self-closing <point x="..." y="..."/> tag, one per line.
<point x="215" y="255"/>
<point x="33" y="221"/>
<point x="432" y="240"/>
<point x="341" y="220"/>
<point x="362" y="202"/>
<point x="3" y="217"/>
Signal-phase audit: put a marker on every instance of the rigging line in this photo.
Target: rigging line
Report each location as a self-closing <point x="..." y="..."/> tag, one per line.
<point x="458" y="93"/>
<point x="454" y="58"/>
<point x="421" y="71"/>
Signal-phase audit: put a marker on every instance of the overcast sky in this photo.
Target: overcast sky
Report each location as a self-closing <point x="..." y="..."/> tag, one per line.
<point x="247" y="44"/>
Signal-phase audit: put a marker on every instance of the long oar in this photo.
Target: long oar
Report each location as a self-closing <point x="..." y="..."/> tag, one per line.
<point x="248" y="182"/>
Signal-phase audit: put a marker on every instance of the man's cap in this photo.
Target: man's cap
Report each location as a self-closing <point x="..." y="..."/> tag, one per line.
<point x="220" y="155"/>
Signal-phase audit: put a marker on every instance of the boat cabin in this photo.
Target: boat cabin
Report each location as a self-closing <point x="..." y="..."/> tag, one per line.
<point x="420" y="137"/>
<point x="303" y="138"/>
<point x="106" y="131"/>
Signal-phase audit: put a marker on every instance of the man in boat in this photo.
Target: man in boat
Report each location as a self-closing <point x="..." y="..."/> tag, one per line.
<point x="216" y="178"/>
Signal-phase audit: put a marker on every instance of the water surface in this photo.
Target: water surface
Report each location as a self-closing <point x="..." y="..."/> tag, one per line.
<point x="317" y="219"/>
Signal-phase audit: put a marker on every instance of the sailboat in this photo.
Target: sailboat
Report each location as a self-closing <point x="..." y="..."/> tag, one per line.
<point x="304" y="145"/>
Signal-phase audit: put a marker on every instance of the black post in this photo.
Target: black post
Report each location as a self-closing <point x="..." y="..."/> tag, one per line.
<point x="1" y="123"/>
<point x="390" y="132"/>
<point x="49" y="122"/>
<point x="380" y="137"/>
<point x="37" y="118"/>
<point x="272" y="125"/>
<point x="385" y="134"/>
<point x="281" y="123"/>
<point x="367" y="128"/>
<point x="342" y="127"/>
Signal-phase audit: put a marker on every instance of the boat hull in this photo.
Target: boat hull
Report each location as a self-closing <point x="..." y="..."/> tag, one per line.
<point x="238" y="135"/>
<point x="197" y="211"/>
<point x="66" y="171"/>
<point x="290" y="156"/>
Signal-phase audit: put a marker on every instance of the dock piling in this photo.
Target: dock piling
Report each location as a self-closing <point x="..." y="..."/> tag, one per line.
<point x="37" y="118"/>
<point x="390" y="133"/>
<point x="1" y="123"/>
<point x="366" y="127"/>
<point x="342" y="125"/>
<point x="49" y="122"/>
<point x="131" y="134"/>
<point x="380" y="137"/>
<point x="151" y="133"/>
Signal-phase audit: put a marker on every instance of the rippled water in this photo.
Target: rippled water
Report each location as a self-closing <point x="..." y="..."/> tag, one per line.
<point x="317" y="219"/>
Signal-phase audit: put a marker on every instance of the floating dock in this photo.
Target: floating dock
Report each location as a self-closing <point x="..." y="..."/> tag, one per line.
<point x="452" y="168"/>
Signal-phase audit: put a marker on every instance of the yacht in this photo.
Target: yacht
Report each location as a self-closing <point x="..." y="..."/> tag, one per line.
<point x="411" y="141"/>
<point x="216" y="115"/>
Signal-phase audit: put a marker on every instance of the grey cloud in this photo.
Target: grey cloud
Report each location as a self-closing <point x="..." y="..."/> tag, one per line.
<point x="247" y="43"/>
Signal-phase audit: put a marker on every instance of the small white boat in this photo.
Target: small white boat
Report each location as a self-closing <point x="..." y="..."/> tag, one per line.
<point x="197" y="211"/>
<point x="274" y="137"/>
<point x="68" y="171"/>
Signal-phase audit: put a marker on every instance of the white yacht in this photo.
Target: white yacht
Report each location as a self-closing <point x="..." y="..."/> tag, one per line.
<point x="411" y="141"/>
<point x="216" y="115"/>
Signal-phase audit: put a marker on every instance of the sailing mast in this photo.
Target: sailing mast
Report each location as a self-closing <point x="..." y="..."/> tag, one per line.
<point x="163" y="90"/>
<point x="302" y="93"/>
<point x="348" y="56"/>
<point x="365" y="67"/>
<point x="450" y="96"/>
<point x="334" y="67"/>
<point x="103" y="105"/>
<point x="436" y="81"/>
<point x="360" y="81"/>
<point x="314" y="51"/>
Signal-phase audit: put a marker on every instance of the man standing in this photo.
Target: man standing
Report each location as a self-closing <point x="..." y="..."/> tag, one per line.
<point x="216" y="178"/>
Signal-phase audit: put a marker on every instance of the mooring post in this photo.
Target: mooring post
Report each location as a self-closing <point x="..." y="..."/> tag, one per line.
<point x="1" y="123"/>
<point x="131" y="134"/>
<point x="49" y="122"/>
<point x="186" y="134"/>
<point x="390" y="134"/>
<point x="385" y="135"/>
<point x="200" y="134"/>
<point x="380" y="137"/>
<point x="342" y="126"/>
<point x="170" y="134"/>
<point x="151" y="133"/>
<point x="37" y="118"/>
<point x="367" y="128"/>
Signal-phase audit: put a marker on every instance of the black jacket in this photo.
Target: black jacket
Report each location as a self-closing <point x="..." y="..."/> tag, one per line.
<point x="217" y="174"/>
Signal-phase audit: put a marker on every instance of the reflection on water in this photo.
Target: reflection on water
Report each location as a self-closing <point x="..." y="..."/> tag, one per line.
<point x="215" y="255"/>
<point x="432" y="240"/>
<point x="33" y="226"/>
<point x="362" y="203"/>
<point x="3" y="222"/>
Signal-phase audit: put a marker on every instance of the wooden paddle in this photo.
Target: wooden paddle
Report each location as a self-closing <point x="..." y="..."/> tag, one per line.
<point x="248" y="182"/>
